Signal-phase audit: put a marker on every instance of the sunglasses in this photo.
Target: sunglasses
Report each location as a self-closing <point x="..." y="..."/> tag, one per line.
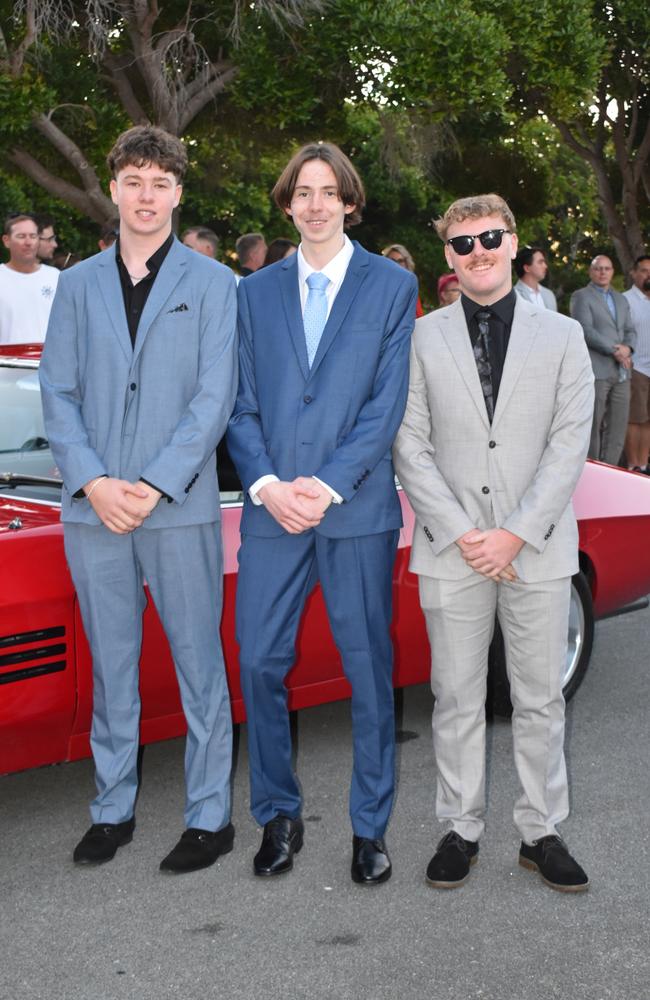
<point x="490" y="240"/>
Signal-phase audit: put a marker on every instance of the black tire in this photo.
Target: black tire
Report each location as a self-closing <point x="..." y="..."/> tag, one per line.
<point x="581" y="637"/>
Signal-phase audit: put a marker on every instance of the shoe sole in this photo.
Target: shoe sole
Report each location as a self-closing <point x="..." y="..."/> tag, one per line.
<point x="195" y="868"/>
<point x="280" y="871"/>
<point x="532" y="866"/>
<point x="94" y="863"/>
<point x="435" y="884"/>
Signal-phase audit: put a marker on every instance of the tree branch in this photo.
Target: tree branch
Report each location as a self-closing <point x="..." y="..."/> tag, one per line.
<point x="208" y="93"/>
<point x="97" y="210"/>
<point x="117" y="76"/>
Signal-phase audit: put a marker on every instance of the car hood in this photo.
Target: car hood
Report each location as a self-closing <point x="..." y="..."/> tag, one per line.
<point x="26" y="514"/>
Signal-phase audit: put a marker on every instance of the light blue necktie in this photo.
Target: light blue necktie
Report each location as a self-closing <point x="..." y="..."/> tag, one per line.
<point x="315" y="314"/>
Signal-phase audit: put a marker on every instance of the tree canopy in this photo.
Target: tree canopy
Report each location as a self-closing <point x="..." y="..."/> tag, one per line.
<point x="548" y="103"/>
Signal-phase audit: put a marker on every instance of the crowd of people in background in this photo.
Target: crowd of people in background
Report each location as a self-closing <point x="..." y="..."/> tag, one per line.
<point x="616" y="325"/>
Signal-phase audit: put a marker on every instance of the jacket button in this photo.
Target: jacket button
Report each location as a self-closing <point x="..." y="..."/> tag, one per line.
<point x="492" y="444"/>
<point x="133" y="387"/>
<point x="307" y="399"/>
<point x="485" y="489"/>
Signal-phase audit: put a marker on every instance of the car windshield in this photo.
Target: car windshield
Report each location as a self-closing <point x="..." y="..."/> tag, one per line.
<point x="24" y="448"/>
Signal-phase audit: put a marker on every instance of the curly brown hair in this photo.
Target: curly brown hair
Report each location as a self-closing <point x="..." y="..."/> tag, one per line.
<point x="146" y="144"/>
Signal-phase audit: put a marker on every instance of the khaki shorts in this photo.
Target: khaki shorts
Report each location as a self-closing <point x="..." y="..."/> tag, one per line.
<point x="640" y="398"/>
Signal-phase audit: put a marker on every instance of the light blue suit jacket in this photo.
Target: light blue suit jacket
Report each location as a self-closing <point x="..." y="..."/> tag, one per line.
<point x="154" y="411"/>
<point x="336" y="421"/>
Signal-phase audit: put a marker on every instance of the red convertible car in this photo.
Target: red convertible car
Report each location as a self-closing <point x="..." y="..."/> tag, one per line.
<point x="45" y="669"/>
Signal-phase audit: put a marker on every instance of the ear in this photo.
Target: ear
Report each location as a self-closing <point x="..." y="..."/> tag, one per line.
<point x="113" y="189"/>
<point x="514" y="243"/>
<point x="6" y="238"/>
<point x="287" y="211"/>
<point x="349" y="208"/>
<point x="448" y="257"/>
<point x="177" y="194"/>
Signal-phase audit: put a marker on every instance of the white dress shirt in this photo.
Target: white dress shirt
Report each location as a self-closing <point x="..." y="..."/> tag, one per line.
<point x="640" y="309"/>
<point x="335" y="270"/>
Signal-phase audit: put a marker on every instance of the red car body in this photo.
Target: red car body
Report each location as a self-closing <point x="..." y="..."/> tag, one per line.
<point x="45" y="666"/>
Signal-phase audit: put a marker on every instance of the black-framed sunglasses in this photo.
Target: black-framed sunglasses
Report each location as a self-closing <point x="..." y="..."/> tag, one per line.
<point x="490" y="240"/>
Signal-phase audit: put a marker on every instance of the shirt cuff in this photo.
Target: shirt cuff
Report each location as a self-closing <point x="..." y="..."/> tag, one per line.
<point x="336" y="497"/>
<point x="257" y="486"/>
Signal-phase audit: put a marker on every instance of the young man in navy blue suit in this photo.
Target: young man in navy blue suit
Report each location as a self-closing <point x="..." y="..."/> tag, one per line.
<point x="324" y="343"/>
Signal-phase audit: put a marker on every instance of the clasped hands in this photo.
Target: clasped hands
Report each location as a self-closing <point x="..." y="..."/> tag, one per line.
<point x="623" y="355"/>
<point x="298" y="505"/>
<point x="120" y="505"/>
<point x="491" y="552"/>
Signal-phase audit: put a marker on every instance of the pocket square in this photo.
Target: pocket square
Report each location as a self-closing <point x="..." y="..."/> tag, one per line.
<point x="183" y="307"/>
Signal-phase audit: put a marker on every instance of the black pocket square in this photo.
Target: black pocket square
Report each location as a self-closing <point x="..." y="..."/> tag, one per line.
<point x="183" y="307"/>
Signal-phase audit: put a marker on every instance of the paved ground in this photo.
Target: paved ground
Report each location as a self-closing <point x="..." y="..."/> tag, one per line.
<point x="125" y="932"/>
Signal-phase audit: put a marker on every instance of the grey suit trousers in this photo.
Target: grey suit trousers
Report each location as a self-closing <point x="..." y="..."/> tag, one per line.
<point x="534" y="621"/>
<point x="611" y="412"/>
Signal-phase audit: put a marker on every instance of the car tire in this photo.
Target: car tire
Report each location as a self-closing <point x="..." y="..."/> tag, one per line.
<point x="581" y="637"/>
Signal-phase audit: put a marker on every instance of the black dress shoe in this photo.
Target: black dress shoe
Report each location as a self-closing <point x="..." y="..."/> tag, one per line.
<point x="198" y="849"/>
<point x="550" y="857"/>
<point x="100" y="843"/>
<point x="449" y="867"/>
<point x="370" y="862"/>
<point x="281" y="840"/>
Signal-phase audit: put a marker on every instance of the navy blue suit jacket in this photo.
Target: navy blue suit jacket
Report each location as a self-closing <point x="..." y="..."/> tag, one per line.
<point x="338" y="420"/>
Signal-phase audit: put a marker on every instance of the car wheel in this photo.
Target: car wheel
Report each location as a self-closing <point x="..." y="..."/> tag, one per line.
<point x="581" y="637"/>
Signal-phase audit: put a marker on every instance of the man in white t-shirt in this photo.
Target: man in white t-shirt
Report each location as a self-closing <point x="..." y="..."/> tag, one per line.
<point x="27" y="287"/>
<point x="531" y="268"/>
<point x="637" y="439"/>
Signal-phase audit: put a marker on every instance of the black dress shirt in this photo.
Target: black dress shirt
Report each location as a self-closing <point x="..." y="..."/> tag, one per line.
<point x="500" y="322"/>
<point x="135" y="296"/>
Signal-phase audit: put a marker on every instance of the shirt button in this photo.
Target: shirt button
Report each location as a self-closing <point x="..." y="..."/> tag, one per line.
<point x="492" y="444"/>
<point x="133" y="386"/>
<point x="307" y="399"/>
<point x="485" y="489"/>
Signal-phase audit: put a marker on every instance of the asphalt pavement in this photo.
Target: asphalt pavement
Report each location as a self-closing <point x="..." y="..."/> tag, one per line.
<point x="124" y="931"/>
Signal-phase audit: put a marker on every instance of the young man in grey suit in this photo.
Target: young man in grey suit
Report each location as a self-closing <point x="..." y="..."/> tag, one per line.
<point x="138" y="380"/>
<point x="491" y="447"/>
<point x="605" y="318"/>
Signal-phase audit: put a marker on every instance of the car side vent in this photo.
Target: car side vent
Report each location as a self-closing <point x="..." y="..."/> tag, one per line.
<point x="29" y="662"/>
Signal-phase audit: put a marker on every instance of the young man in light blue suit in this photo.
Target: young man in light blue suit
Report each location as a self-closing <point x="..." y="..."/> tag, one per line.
<point x="138" y="379"/>
<point x="324" y="340"/>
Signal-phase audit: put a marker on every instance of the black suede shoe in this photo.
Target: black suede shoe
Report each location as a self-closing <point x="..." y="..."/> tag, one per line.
<point x="281" y="840"/>
<point x="198" y="849"/>
<point x="550" y="857"/>
<point x="449" y="867"/>
<point x="100" y="843"/>
<point x="370" y="862"/>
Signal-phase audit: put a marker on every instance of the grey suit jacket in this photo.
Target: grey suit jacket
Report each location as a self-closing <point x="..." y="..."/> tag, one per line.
<point x="588" y="306"/>
<point x="519" y="473"/>
<point x="548" y="297"/>
<point x="154" y="411"/>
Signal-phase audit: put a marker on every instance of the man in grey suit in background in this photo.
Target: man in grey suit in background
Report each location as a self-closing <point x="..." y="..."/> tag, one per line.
<point x="607" y="324"/>
<point x="491" y="447"/>
<point x="531" y="269"/>
<point x="138" y="380"/>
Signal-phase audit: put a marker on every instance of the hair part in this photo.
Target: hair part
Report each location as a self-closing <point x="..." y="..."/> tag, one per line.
<point x="245" y="245"/>
<point x="349" y="185"/>
<point x="477" y="207"/>
<point x="148" y="145"/>
<point x="524" y="259"/>
<point x="13" y="220"/>
<point x="205" y="234"/>
<point x="400" y="249"/>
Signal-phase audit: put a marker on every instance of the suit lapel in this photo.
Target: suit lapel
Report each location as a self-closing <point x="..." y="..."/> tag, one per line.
<point x="522" y="336"/>
<point x="290" y="293"/>
<point x="108" y="280"/>
<point x="171" y="271"/>
<point x="456" y="336"/>
<point x="354" y="278"/>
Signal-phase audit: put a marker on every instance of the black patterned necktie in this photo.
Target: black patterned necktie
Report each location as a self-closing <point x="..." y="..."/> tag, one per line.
<point x="482" y="357"/>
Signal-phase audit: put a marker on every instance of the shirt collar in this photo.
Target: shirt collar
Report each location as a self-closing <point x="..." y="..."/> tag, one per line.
<point x="155" y="261"/>
<point x="335" y="268"/>
<point x="603" y="291"/>
<point x="504" y="309"/>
